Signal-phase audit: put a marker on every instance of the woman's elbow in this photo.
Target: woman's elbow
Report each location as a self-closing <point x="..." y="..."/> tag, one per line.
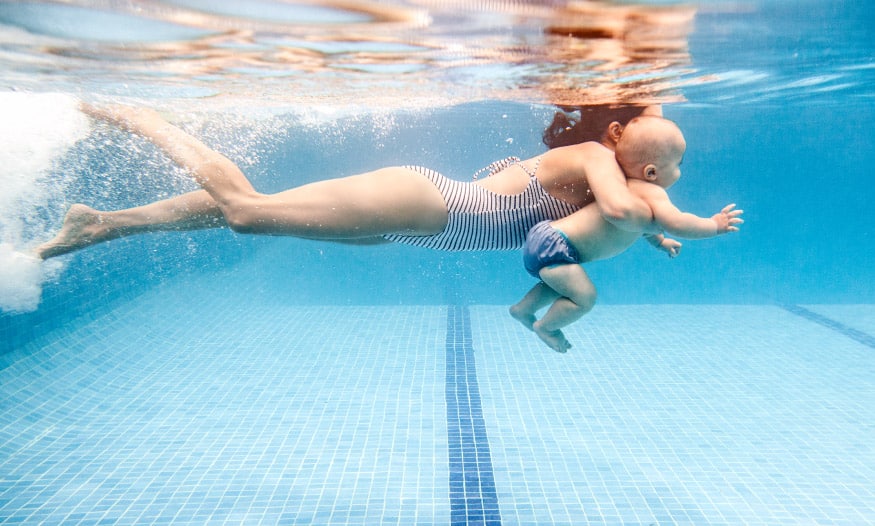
<point x="629" y="214"/>
<point x="616" y="212"/>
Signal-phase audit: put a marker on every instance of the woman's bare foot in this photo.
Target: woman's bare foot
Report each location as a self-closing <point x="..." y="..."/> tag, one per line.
<point x="554" y="339"/>
<point x="523" y="316"/>
<point x="82" y="227"/>
<point x="128" y="118"/>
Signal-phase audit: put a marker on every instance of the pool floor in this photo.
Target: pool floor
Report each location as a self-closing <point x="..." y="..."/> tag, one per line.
<point x="185" y="406"/>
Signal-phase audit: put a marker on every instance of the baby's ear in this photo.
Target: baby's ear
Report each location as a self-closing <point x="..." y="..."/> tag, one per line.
<point x="650" y="173"/>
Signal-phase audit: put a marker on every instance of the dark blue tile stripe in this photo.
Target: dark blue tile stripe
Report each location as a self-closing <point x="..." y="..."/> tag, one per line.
<point x="850" y="332"/>
<point x="473" y="499"/>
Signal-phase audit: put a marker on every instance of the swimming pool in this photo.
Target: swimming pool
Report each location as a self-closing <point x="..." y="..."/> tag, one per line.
<point x="211" y="377"/>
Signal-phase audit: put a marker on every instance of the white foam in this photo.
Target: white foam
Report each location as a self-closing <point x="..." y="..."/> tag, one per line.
<point x="21" y="279"/>
<point x="36" y="131"/>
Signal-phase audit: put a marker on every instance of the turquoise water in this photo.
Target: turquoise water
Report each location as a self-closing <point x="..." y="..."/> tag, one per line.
<point x="211" y="377"/>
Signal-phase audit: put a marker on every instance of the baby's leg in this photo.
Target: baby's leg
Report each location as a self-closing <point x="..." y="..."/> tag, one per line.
<point x="535" y="299"/>
<point x="578" y="295"/>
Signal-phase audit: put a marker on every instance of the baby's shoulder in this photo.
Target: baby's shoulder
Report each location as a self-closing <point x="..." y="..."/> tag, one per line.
<point x="645" y="188"/>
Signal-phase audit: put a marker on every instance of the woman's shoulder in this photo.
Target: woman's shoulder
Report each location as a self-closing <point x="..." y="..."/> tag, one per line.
<point x="590" y="148"/>
<point x="577" y="157"/>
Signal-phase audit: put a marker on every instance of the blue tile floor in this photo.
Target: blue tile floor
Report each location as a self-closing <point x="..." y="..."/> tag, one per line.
<point x="186" y="406"/>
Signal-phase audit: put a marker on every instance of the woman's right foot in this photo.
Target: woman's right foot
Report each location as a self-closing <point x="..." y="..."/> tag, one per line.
<point x="82" y="227"/>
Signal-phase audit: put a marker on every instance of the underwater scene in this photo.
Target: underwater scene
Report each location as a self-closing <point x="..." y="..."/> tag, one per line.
<point x="258" y="263"/>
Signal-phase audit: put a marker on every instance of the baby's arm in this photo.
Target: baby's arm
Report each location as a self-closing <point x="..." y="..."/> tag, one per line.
<point x="691" y="226"/>
<point x="684" y="224"/>
<point x="670" y="246"/>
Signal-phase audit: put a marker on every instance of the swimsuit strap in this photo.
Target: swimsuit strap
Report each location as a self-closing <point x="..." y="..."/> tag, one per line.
<point x="501" y="164"/>
<point x="497" y="166"/>
<point x="534" y="171"/>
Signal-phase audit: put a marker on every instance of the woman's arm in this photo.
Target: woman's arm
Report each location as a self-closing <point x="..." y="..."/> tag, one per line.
<point x="607" y="182"/>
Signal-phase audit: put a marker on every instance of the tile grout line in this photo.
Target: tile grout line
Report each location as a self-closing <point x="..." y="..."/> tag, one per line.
<point x="473" y="497"/>
<point x="829" y="323"/>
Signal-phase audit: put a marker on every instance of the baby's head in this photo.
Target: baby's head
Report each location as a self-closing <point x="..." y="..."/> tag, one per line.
<point x="651" y="149"/>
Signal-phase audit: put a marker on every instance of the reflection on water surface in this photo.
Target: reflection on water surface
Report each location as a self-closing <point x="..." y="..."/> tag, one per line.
<point x="375" y="53"/>
<point x="422" y="53"/>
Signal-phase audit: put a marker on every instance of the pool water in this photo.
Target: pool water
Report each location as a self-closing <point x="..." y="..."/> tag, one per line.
<point x="214" y="378"/>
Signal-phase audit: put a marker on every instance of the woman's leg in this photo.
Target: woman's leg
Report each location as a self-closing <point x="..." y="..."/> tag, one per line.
<point x="188" y="152"/>
<point x="390" y="200"/>
<point x="84" y="226"/>
<point x="353" y="210"/>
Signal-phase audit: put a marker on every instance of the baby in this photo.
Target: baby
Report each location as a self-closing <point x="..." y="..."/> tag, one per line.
<point x="649" y="151"/>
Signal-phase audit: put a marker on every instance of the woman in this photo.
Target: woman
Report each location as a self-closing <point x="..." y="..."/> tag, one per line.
<point x="403" y="204"/>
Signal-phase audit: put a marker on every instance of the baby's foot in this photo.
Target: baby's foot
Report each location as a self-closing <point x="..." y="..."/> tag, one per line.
<point x="82" y="227"/>
<point x="523" y="316"/>
<point x="554" y="339"/>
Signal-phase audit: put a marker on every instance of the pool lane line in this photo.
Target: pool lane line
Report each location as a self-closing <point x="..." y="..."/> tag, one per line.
<point x="829" y="323"/>
<point x="473" y="498"/>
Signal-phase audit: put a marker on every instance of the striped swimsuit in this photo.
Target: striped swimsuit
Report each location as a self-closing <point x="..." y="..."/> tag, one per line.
<point x="483" y="220"/>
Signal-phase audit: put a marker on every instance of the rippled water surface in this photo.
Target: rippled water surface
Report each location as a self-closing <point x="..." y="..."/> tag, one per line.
<point x="422" y="53"/>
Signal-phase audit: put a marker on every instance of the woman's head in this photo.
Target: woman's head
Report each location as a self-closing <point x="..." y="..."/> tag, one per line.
<point x="579" y="124"/>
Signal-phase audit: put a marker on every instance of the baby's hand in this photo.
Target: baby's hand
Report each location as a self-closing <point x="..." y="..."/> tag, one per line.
<point x="670" y="246"/>
<point x="728" y="219"/>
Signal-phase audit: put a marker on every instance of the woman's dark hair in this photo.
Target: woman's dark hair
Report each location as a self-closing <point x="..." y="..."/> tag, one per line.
<point x="567" y="129"/>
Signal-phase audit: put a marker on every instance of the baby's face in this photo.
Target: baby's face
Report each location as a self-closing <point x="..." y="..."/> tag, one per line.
<point x="667" y="167"/>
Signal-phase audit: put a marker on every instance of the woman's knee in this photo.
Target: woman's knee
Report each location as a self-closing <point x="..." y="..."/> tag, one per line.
<point x="243" y="214"/>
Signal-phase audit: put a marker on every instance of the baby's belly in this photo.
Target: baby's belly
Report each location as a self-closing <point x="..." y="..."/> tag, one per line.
<point x="598" y="247"/>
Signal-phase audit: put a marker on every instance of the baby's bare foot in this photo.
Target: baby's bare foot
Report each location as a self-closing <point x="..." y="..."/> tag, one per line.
<point x="523" y="316"/>
<point x="554" y="339"/>
<point x="82" y="227"/>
